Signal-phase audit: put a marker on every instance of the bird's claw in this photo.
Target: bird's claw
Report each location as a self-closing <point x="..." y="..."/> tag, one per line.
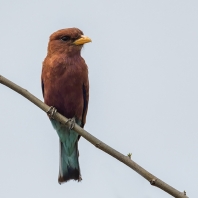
<point x="80" y="178"/>
<point x="72" y="122"/>
<point x="51" y="112"/>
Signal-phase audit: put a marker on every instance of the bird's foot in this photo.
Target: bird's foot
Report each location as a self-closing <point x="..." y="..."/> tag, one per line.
<point x="72" y="122"/>
<point x="51" y="112"/>
<point x="80" y="178"/>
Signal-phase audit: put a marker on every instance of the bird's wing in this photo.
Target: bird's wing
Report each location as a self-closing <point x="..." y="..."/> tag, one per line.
<point x="86" y="100"/>
<point x="42" y="85"/>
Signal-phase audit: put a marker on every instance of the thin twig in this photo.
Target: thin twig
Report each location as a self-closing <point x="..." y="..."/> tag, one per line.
<point x="99" y="144"/>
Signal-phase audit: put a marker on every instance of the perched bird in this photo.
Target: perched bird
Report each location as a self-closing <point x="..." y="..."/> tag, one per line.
<point x="65" y="87"/>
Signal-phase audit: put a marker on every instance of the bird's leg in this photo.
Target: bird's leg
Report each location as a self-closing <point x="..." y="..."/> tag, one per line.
<point x="51" y="112"/>
<point x="72" y="122"/>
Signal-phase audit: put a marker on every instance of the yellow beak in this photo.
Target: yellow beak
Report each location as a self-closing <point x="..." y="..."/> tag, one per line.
<point x="82" y="40"/>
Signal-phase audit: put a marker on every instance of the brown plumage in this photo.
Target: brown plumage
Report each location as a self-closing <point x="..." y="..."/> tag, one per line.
<point x="65" y="86"/>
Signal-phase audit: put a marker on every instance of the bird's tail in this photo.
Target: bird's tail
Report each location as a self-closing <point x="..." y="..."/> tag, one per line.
<point x="69" y="166"/>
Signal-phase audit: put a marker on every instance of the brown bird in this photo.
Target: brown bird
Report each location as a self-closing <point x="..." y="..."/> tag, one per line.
<point x="65" y="87"/>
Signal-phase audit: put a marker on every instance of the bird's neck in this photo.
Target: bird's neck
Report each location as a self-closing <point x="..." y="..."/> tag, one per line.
<point x="72" y="60"/>
<point x="65" y="58"/>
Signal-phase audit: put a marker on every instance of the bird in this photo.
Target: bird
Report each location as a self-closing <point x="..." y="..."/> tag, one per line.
<point x="65" y="88"/>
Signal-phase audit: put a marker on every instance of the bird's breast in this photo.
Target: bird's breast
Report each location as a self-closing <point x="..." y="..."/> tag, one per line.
<point x="63" y="88"/>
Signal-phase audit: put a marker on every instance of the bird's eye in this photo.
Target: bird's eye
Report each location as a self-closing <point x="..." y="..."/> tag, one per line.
<point x="65" y="38"/>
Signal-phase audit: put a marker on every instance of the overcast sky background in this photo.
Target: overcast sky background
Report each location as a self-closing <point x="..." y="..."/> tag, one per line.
<point x="143" y="67"/>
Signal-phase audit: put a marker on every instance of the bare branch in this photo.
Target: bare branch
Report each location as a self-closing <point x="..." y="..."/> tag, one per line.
<point x="99" y="144"/>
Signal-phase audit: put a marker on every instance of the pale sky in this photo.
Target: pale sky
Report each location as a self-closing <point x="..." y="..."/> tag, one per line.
<point x="143" y="68"/>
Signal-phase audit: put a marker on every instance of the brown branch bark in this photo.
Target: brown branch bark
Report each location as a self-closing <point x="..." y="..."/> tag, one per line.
<point x="99" y="144"/>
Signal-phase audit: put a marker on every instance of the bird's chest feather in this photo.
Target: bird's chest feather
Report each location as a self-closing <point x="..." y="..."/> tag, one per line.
<point x="63" y="85"/>
<point x="57" y="67"/>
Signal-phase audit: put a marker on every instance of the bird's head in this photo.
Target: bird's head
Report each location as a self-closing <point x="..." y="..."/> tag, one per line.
<point x="67" y="41"/>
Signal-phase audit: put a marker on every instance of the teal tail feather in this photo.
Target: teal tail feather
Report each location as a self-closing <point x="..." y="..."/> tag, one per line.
<point x="69" y="165"/>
